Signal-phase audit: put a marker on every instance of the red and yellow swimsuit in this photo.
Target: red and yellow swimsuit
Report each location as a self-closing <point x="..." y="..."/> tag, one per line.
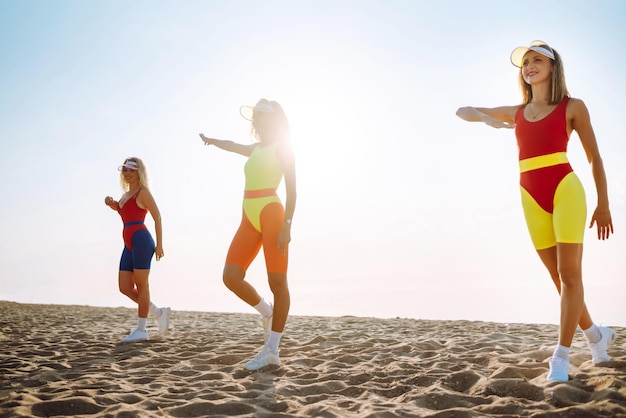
<point x="552" y="195"/>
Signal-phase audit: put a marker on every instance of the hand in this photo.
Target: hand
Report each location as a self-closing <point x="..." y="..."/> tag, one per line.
<point x="602" y="218"/>
<point x="207" y="141"/>
<point x="159" y="252"/>
<point x="110" y="202"/>
<point x="494" y="123"/>
<point x="284" y="237"/>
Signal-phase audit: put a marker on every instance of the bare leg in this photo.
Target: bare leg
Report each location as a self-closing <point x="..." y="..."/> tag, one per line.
<point x="282" y="300"/>
<point x="143" y="292"/>
<point x="126" y="285"/>
<point x="564" y="263"/>
<point x="234" y="280"/>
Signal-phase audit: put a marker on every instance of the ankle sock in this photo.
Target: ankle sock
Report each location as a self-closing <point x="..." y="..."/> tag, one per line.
<point x="141" y="323"/>
<point x="592" y="334"/>
<point x="562" y="352"/>
<point x="264" y="308"/>
<point x="274" y="340"/>
<point x="155" y="310"/>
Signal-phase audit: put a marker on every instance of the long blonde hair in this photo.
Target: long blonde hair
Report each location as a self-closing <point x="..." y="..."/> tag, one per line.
<point x="558" y="88"/>
<point x="143" y="174"/>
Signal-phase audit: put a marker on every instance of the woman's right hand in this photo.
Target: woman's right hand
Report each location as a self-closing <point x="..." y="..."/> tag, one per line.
<point x="496" y="117"/>
<point x="494" y="123"/>
<point x="207" y="141"/>
<point x="110" y="202"/>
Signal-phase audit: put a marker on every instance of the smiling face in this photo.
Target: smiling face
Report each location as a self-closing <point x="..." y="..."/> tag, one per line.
<point x="130" y="176"/>
<point x="536" y="68"/>
<point x="133" y="174"/>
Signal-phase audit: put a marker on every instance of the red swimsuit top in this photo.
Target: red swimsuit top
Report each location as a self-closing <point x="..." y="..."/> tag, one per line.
<point x="133" y="217"/>
<point x="545" y="136"/>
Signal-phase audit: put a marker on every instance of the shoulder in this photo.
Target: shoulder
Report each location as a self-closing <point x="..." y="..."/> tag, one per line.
<point x="284" y="151"/>
<point x="249" y="148"/>
<point x="574" y="102"/>
<point x="576" y="108"/>
<point x="144" y="195"/>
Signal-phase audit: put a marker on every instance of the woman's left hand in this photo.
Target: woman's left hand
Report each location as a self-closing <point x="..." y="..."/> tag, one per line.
<point x="159" y="252"/>
<point x="284" y="237"/>
<point x="602" y="218"/>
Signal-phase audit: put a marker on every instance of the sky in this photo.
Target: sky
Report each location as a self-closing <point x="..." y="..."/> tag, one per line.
<point x="403" y="210"/>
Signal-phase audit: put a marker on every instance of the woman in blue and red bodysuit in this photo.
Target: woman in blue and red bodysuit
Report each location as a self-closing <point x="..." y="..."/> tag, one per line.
<point x="265" y="222"/>
<point x="553" y="198"/>
<point x="139" y="247"/>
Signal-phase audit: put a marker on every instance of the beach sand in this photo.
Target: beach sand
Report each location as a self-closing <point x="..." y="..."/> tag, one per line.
<point x="59" y="360"/>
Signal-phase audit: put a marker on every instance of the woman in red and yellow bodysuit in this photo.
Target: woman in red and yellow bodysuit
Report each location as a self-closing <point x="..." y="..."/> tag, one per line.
<point x="139" y="247"/>
<point x="265" y="222"/>
<point x="553" y="198"/>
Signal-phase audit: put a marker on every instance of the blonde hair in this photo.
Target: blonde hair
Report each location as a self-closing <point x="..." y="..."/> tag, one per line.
<point x="277" y="126"/>
<point x="143" y="174"/>
<point x="558" y="88"/>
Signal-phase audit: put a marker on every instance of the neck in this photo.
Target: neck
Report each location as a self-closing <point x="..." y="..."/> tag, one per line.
<point x="541" y="93"/>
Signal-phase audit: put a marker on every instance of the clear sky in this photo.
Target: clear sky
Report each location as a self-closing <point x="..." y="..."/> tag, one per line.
<point x="403" y="209"/>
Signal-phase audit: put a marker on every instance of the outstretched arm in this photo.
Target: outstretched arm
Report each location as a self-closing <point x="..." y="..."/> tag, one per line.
<point x="496" y="117"/>
<point x="230" y="146"/>
<point x="581" y="122"/>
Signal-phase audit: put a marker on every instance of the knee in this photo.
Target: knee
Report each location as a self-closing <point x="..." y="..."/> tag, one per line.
<point x="278" y="282"/>
<point x="570" y="275"/>
<point x="125" y="288"/>
<point x="232" y="276"/>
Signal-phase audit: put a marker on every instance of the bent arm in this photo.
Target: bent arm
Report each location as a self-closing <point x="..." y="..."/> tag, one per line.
<point x="230" y="146"/>
<point x="497" y="117"/>
<point x="146" y="201"/>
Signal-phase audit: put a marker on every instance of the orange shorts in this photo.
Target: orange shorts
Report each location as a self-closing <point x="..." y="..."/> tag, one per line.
<point x="248" y="241"/>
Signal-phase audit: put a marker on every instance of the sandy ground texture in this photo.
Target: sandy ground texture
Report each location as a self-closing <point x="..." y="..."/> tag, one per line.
<point x="59" y="360"/>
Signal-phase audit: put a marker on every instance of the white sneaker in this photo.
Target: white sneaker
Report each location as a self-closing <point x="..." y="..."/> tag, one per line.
<point x="267" y="325"/>
<point x="264" y="358"/>
<point x="598" y="350"/>
<point x="163" y="321"/>
<point x="559" y="368"/>
<point x="136" y="335"/>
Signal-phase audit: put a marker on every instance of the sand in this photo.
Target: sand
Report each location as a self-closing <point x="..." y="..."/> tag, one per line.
<point x="59" y="360"/>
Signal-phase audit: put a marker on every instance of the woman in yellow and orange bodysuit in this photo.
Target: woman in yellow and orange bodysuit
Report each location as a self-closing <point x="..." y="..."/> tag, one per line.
<point x="265" y="222"/>
<point x="553" y="198"/>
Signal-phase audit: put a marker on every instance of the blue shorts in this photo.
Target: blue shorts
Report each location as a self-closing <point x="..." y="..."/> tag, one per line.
<point x="141" y="255"/>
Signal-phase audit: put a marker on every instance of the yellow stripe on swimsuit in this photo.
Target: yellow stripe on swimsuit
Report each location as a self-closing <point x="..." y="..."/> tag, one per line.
<point x="542" y="161"/>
